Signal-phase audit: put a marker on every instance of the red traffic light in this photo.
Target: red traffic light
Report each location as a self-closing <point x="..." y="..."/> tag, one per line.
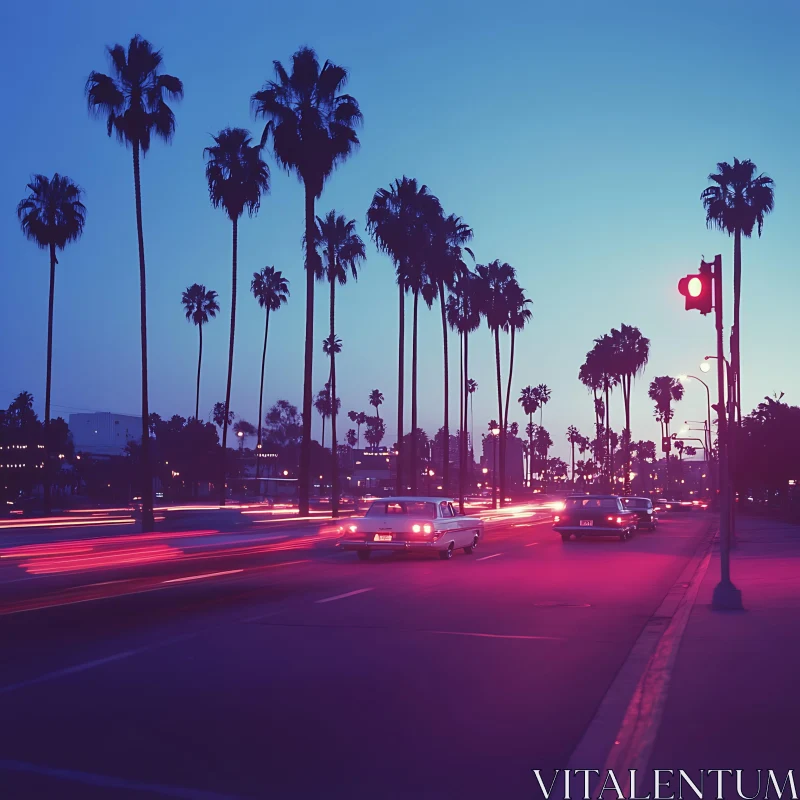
<point x="698" y="290"/>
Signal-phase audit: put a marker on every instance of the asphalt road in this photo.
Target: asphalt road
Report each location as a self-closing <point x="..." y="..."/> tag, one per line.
<point x="263" y="663"/>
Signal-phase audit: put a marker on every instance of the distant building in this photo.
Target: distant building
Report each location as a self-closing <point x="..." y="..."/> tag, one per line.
<point x="103" y="433"/>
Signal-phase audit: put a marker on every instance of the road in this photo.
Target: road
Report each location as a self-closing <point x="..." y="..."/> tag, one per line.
<point x="264" y="663"/>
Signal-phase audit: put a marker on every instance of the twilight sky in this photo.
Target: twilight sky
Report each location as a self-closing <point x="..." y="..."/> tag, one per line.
<point x="574" y="137"/>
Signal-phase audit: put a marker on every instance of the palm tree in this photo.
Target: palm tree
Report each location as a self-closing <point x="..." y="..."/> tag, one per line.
<point x="51" y="216"/>
<point x="199" y="304"/>
<point x="322" y="404"/>
<point x="518" y="317"/>
<point x="271" y="290"/>
<point x="665" y="391"/>
<point x="630" y="353"/>
<point x="399" y="220"/>
<point x="495" y="281"/>
<point x="542" y="444"/>
<point x="237" y="177"/>
<point x="737" y="202"/>
<point x="589" y="376"/>
<point x="445" y="265"/>
<point x="472" y="387"/>
<point x="359" y="418"/>
<point x="605" y="363"/>
<point x="342" y="252"/>
<point x="574" y="438"/>
<point x="376" y="400"/>
<point x="351" y="438"/>
<point x="542" y="394"/>
<point x="530" y="405"/>
<point x="313" y="129"/>
<point x="133" y="102"/>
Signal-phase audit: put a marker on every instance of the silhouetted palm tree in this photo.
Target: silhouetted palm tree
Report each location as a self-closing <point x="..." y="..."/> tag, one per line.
<point x="589" y="375"/>
<point x="271" y="290"/>
<point x="376" y="400"/>
<point x="574" y="438"/>
<point x="530" y="405"/>
<point x="665" y="391"/>
<point x="324" y="404"/>
<point x="518" y="317"/>
<point x="313" y="131"/>
<point x="342" y="252"/>
<point x="198" y="305"/>
<point x="737" y="203"/>
<point x="134" y="106"/>
<point x="51" y="215"/>
<point x="472" y="387"/>
<point x="495" y="281"/>
<point x="631" y="351"/>
<point x="542" y="394"/>
<point x="237" y="177"/>
<point x="605" y="363"/>
<point x="399" y="220"/>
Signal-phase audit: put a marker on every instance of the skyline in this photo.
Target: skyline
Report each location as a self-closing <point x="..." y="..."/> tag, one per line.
<point x="95" y="356"/>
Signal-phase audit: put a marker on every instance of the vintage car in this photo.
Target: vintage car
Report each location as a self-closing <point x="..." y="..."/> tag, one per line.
<point x="644" y="510"/>
<point x="594" y="515"/>
<point x="408" y="524"/>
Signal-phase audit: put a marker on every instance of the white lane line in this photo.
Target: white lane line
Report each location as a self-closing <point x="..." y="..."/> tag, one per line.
<point x="205" y="575"/>
<point x="98" y="662"/>
<point x="493" y="555"/>
<point x="346" y="594"/>
<point x="531" y="544"/>
<point x="499" y="636"/>
<point x="110" y="782"/>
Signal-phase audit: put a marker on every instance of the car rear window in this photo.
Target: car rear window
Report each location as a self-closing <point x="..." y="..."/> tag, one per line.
<point x="592" y="504"/>
<point x="408" y="508"/>
<point x="635" y="502"/>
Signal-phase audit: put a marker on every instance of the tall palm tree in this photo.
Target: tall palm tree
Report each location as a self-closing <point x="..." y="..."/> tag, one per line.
<point x="449" y="235"/>
<point x="51" y="216"/>
<point x="472" y="387"/>
<point x="359" y="418"/>
<point x="376" y="400"/>
<point x="342" y="250"/>
<point x="323" y="404"/>
<point x="542" y="443"/>
<point x="199" y="304"/>
<point x="664" y="391"/>
<point x="313" y="129"/>
<point x="494" y="281"/>
<point x="528" y="399"/>
<point x="518" y="317"/>
<point x="589" y="376"/>
<point x="542" y="393"/>
<point x="574" y="438"/>
<point x="271" y="290"/>
<point x="630" y="353"/>
<point x="605" y="362"/>
<point x="237" y="177"/>
<point x="737" y="202"/>
<point x="134" y="104"/>
<point x="399" y="220"/>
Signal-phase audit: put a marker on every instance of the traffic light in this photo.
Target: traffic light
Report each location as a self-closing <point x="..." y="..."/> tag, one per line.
<point x="666" y="444"/>
<point x="698" y="289"/>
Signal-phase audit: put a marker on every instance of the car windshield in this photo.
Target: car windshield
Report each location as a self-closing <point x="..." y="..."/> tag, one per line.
<point x="636" y="502"/>
<point x="408" y="508"/>
<point x="592" y="504"/>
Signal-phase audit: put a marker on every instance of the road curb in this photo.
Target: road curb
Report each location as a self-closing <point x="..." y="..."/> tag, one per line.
<point x="623" y="730"/>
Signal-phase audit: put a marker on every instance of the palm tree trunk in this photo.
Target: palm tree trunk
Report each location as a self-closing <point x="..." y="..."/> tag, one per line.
<point x="305" y="446"/>
<point x="261" y="395"/>
<point x="469" y="454"/>
<point x="222" y="493"/>
<point x="462" y="438"/>
<point x="573" y="464"/>
<point x="414" y="465"/>
<point x="502" y="482"/>
<point x="737" y="296"/>
<point x="334" y="454"/>
<point x="401" y="353"/>
<point x="199" y="362"/>
<point x="609" y="461"/>
<point x="322" y="443"/>
<point x="626" y="438"/>
<point x="446" y="448"/>
<point x="510" y="371"/>
<point x="530" y="451"/>
<point x="46" y="477"/>
<point x="146" y="467"/>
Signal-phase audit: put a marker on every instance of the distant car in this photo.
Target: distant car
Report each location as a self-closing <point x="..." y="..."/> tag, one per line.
<point x="421" y="524"/>
<point x="594" y="515"/>
<point x="644" y="510"/>
<point x="676" y="505"/>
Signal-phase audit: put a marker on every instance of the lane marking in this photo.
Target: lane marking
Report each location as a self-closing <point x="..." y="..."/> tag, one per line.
<point x="531" y="544"/>
<point x="110" y="782"/>
<point x="87" y="665"/>
<point x="205" y="575"/>
<point x="494" y="555"/>
<point x="498" y="636"/>
<point x="346" y="594"/>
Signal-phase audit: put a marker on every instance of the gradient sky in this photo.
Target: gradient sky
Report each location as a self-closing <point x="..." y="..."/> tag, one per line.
<point x="574" y="137"/>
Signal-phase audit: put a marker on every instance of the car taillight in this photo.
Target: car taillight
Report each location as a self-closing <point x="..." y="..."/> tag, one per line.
<point x="619" y="520"/>
<point x="353" y="529"/>
<point x="415" y="529"/>
<point x="427" y="528"/>
<point x="556" y="518"/>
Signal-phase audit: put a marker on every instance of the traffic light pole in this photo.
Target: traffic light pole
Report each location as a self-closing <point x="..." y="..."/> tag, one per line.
<point x="726" y="595"/>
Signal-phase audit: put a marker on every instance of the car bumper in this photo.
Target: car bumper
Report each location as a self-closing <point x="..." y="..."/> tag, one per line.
<point x="594" y="530"/>
<point x="399" y="546"/>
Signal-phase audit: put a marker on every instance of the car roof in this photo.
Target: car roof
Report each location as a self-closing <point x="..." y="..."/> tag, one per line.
<point x="594" y="496"/>
<point x="637" y="498"/>
<point x="405" y="499"/>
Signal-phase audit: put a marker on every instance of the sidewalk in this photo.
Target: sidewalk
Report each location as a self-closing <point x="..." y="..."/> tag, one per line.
<point x="734" y="696"/>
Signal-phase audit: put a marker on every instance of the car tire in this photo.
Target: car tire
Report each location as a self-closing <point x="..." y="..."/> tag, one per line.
<point x="363" y="555"/>
<point x="446" y="555"/>
<point x="471" y="548"/>
<point x="565" y="537"/>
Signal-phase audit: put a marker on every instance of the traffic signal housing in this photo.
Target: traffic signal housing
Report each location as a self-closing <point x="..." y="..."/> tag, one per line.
<point x="698" y="290"/>
<point x="666" y="444"/>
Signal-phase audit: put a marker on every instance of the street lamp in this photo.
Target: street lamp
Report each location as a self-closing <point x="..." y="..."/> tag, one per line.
<point x="240" y="434"/>
<point x="495" y="433"/>
<point x="705" y="366"/>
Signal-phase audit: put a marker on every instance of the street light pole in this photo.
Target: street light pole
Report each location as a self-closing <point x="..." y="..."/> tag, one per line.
<point x="495" y="432"/>
<point x="708" y="433"/>
<point x="726" y="595"/>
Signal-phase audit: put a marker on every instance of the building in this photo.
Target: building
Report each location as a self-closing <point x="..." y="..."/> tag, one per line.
<point x="103" y="433"/>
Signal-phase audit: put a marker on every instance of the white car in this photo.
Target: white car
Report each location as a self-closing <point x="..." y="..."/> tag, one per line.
<point x="411" y="524"/>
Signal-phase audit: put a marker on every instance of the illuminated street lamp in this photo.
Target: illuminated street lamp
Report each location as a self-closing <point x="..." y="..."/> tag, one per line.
<point x="495" y="433"/>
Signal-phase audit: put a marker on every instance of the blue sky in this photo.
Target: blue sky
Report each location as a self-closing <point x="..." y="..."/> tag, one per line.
<point x="574" y="137"/>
